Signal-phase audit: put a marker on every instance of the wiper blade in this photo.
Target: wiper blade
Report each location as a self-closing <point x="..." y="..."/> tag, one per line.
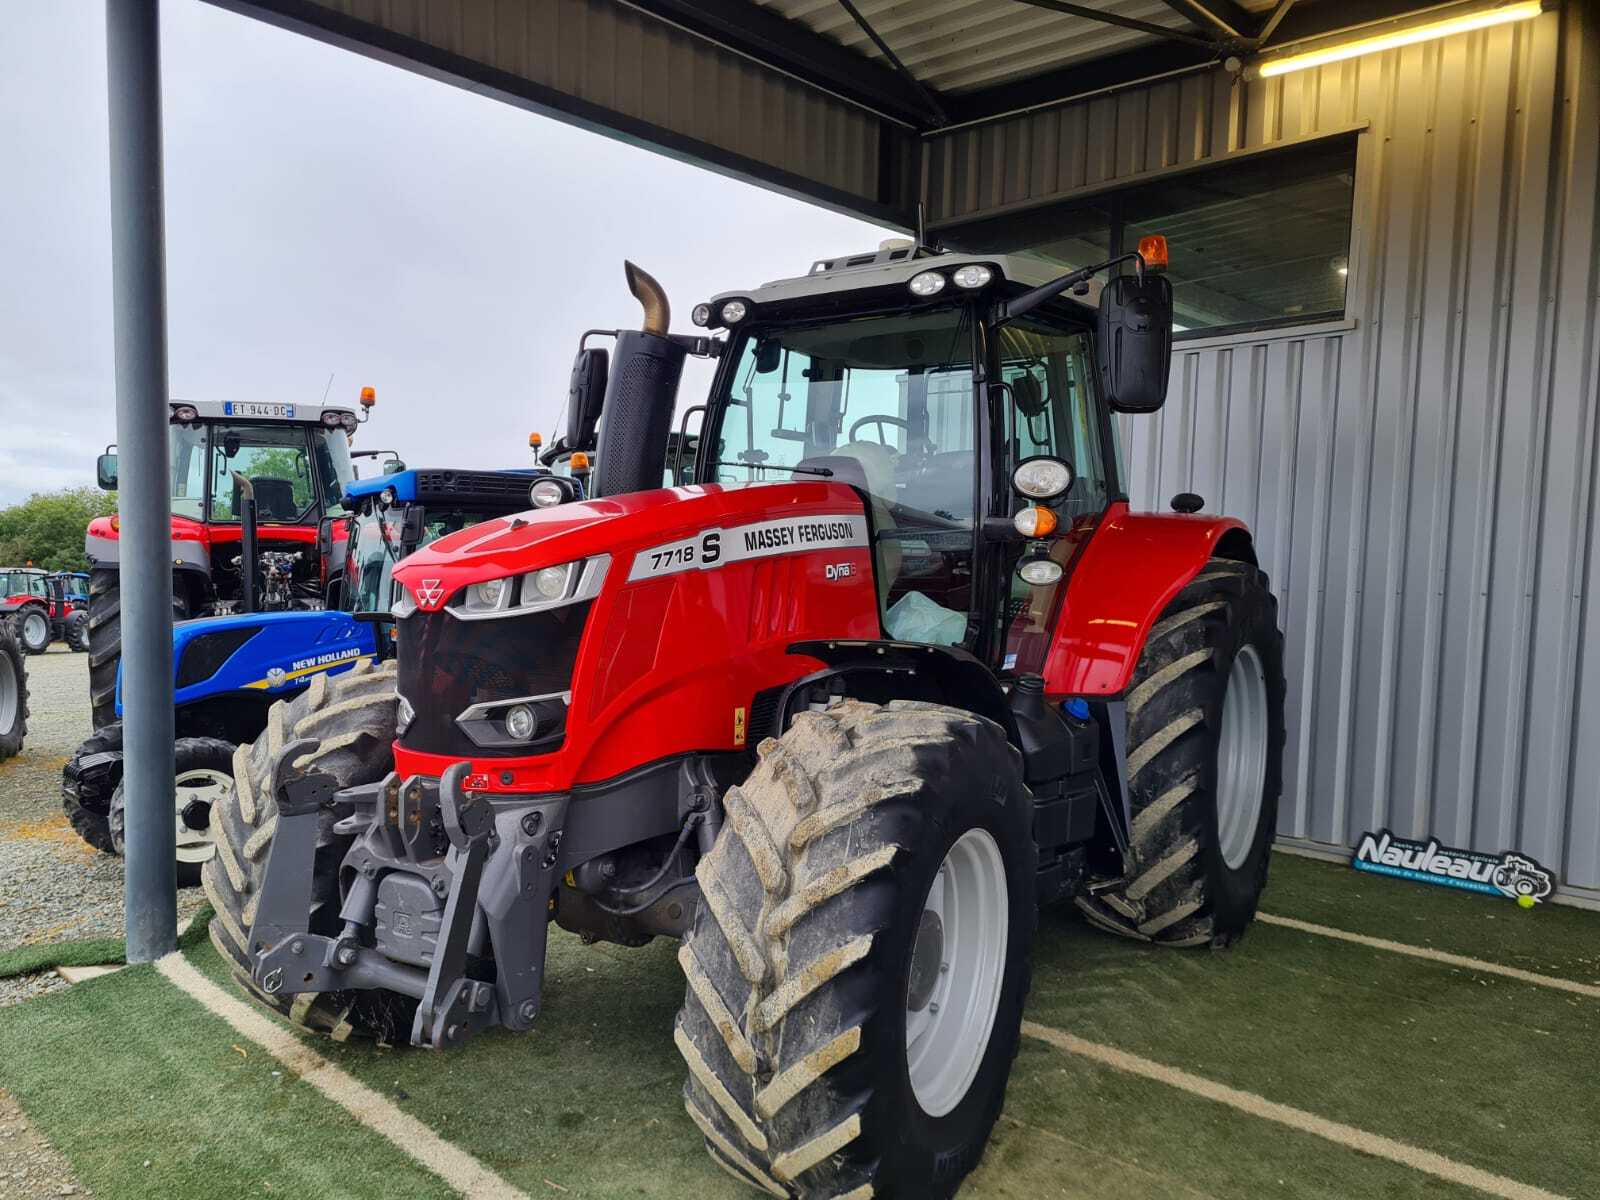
<point x="774" y="467"/>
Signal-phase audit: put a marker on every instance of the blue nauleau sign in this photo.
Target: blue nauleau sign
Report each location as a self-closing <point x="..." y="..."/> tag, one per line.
<point x="1515" y="876"/>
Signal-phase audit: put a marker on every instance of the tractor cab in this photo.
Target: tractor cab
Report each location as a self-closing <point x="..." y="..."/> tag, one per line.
<point x="251" y="483"/>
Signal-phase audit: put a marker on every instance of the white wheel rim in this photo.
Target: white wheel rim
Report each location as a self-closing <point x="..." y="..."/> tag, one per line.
<point x="207" y="787"/>
<point x="8" y="694"/>
<point x="35" y="629"/>
<point x="954" y="988"/>
<point x="1241" y="757"/>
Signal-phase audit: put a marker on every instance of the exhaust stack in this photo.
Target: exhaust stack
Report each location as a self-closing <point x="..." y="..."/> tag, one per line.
<point x="651" y="297"/>
<point x="640" y="392"/>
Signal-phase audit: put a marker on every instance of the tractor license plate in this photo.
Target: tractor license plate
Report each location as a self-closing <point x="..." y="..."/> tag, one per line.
<point x="246" y="408"/>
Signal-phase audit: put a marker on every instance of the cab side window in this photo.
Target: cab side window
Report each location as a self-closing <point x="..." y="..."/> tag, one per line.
<point x="1054" y="409"/>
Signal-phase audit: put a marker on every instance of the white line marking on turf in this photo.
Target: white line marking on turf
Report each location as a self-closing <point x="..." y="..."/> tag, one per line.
<point x="450" y="1163"/>
<point x="1268" y="1110"/>
<point x="1438" y="956"/>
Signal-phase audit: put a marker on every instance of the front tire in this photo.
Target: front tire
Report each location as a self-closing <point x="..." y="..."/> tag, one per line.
<point x="352" y="717"/>
<point x="13" y="694"/>
<point x="202" y="778"/>
<point x="78" y="632"/>
<point x="817" y="1064"/>
<point x="89" y="780"/>
<point x="1205" y="764"/>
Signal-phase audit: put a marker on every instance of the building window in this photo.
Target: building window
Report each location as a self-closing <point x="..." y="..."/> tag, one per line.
<point x="1260" y="242"/>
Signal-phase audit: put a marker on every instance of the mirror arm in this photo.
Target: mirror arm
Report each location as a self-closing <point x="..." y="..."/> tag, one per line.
<point x="1010" y="310"/>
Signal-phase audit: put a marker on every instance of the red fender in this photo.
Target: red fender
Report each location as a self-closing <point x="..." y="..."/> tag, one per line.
<point x="1132" y="568"/>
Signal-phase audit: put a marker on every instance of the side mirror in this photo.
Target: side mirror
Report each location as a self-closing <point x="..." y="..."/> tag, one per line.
<point x="105" y="471"/>
<point x="412" y="528"/>
<point x="1135" y="342"/>
<point x="585" y="395"/>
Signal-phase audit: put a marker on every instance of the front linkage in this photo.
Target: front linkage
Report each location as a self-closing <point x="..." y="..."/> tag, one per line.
<point x="439" y="883"/>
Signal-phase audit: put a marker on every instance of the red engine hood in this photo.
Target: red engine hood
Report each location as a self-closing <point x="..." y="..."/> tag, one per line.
<point x="619" y="526"/>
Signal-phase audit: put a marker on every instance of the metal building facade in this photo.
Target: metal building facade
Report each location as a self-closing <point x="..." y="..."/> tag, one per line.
<point x="1422" y="476"/>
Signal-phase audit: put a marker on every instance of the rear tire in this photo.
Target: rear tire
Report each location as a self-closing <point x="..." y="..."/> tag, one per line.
<point x="105" y="640"/>
<point x="202" y="776"/>
<point x="88" y="782"/>
<point x="33" y="629"/>
<point x="352" y="716"/>
<point x="813" y="970"/>
<point x="1200" y="851"/>
<point x="13" y="694"/>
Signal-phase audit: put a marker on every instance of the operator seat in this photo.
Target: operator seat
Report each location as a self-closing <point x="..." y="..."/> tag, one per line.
<point x="868" y="467"/>
<point x="274" y="500"/>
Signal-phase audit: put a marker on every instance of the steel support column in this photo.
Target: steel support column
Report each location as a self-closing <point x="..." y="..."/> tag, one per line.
<point x="138" y="291"/>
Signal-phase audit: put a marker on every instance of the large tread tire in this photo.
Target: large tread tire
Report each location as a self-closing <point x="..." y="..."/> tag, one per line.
<point x="13" y="680"/>
<point x="794" y="1020"/>
<point x="1181" y="891"/>
<point x="105" y="640"/>
<point x="87" y="787"/>
<point x="78" y="632"/>
<point x="352" y="718"/>
<point x="188" y="754"/>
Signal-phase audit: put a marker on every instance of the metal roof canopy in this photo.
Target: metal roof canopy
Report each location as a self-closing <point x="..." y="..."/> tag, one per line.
<point x="828" y="100"/>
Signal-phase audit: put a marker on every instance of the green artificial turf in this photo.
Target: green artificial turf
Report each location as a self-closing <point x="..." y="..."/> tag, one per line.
<point x="42" y="956"/>
<point x="145" y="1093"/>
<point x="86" y="952"/>
<point x="1489" y="1071"/>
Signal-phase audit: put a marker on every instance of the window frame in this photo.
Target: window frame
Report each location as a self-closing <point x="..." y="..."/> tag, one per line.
<point x="1112" y="196"/>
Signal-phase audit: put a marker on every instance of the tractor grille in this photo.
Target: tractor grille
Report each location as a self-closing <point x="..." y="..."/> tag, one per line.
<point x="473" y="487"/>
<point x="447" y="665"/>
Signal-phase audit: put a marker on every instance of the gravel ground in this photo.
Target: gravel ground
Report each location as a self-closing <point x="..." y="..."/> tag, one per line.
<point x="30" y="1167"/>
<point x="53" y="887"/>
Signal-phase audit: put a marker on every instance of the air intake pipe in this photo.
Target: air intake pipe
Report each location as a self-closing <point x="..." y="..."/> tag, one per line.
<point x="640" y="392"/>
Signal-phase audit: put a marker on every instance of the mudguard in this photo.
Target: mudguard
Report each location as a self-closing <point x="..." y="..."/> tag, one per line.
<point x="246" y="652"/>
<point x="1130" y="571"/>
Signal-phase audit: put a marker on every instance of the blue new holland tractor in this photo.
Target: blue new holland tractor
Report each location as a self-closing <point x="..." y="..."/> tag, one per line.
<point x="230" y="670"/>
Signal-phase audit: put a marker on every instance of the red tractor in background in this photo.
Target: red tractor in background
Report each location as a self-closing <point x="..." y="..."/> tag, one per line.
<point x="40" y="609"/>
<point x="896" y="668"/>
<point x="288" y="464"/>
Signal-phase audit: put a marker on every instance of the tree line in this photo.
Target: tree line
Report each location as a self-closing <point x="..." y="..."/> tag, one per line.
<point x="47" y="529"/>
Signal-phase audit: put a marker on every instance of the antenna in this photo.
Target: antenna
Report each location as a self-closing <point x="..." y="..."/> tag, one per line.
<point x="921" y="232"/>
<point x="329" y="388"/>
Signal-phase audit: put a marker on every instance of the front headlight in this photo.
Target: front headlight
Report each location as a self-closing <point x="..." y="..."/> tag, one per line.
<point x="488" y="596"/>
<point x="549" y="587"/>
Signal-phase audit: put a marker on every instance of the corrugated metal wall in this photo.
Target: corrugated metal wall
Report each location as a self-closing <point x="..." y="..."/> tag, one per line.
<point x="609" y="67"/>
<point x="1422" y="479"/>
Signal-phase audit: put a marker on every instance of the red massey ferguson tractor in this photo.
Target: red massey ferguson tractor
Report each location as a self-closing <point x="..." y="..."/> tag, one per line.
<point x="899" y="667"/>
<point x="284" y="464"/>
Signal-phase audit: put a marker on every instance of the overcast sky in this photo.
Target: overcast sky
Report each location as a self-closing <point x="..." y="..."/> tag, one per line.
<point x="326" y="213"/>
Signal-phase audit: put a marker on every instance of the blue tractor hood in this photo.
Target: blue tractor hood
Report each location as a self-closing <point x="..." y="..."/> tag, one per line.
<point x="262" y="653"/>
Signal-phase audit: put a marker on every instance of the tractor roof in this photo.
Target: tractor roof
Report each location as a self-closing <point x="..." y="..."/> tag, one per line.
<point x="251" y="410"/>
<point x="894" y="266"/>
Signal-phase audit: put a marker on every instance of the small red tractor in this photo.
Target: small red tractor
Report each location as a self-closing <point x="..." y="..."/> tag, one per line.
<point x="284" y="465"/>
<point x="40" y="609"/>
<point x="896" y="668"/>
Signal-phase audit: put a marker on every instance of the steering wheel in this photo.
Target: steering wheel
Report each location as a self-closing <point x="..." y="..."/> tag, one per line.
<point x="880" y="420"/>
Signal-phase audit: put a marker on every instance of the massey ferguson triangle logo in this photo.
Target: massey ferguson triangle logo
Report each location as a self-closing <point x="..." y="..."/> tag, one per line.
<point x="430" y="592"/>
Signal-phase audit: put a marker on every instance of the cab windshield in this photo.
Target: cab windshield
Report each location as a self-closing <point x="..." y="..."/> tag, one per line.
<point x="885" y="404"/>
<point x="376" y="545"/>
<point x="21" y="583"/>
<point x="298" y="472"/>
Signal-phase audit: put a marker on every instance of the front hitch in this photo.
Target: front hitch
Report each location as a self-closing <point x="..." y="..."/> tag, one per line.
<point x="438" y="876"/>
